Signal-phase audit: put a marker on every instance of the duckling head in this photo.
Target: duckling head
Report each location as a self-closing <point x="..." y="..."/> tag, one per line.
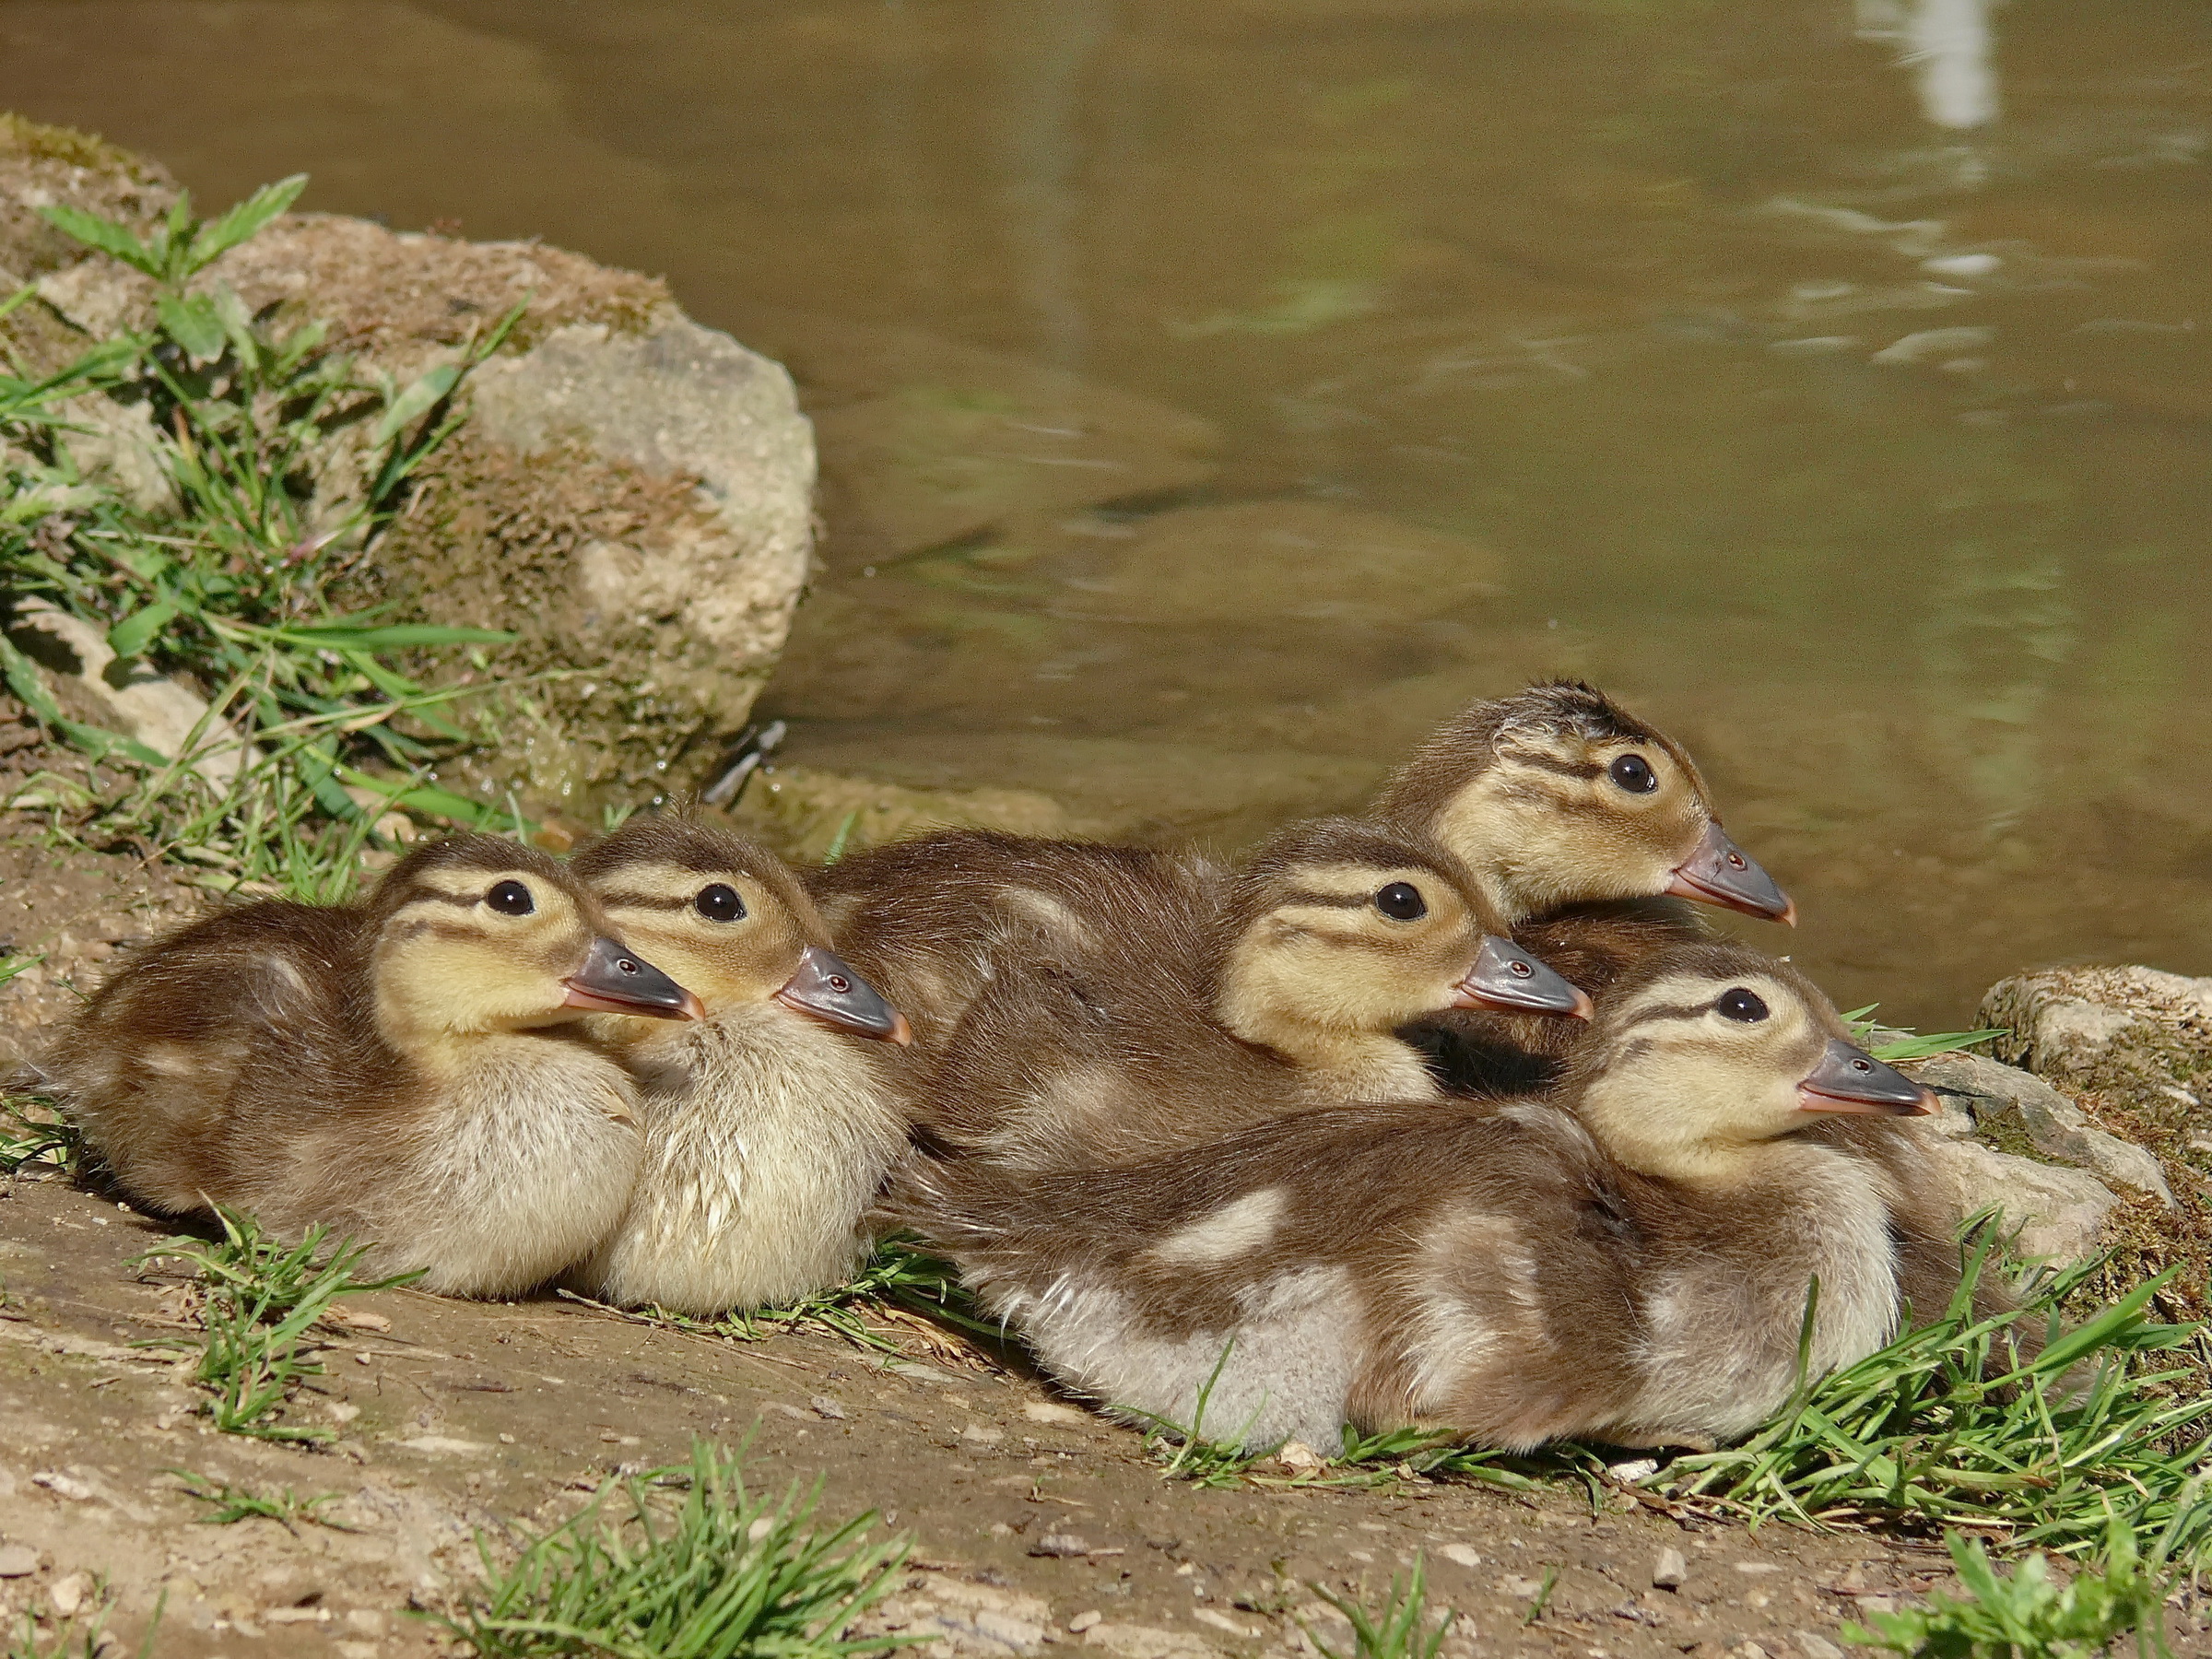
<point x="1341" y="927"/>
<point x="475" y="934"/>
<point x="1709" y="1051"/>
<point x="1558" y="795"/>
<point x="731" y="921"/>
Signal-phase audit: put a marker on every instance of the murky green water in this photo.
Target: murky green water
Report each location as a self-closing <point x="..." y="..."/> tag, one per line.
<point x="1212" y="395"/>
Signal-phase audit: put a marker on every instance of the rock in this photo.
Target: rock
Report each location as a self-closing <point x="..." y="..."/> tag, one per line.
<point x="1460" y="1555"/>
<point x="1814" y="1645"/>
<point x="1084" y="1621"/>
<point x="2144" y="1034"/>
<point x="1145" y="1642"/>
<point x="130" y="698"/>
<point x="18" y="1561"/>
<point x="1299" y="1458"/>
<point x="2053" y="1213"/>
<point x="633" y="496"/>
<point x="68" y="1594"/>
<point x="63" y="1486"/>
<point x="960" y="1617"/>
<point x="1993" y="1094"/>
<point x="1294" y="561"/>
<point x="1670" y="1570"/>
<point x="1052" y="1411"/>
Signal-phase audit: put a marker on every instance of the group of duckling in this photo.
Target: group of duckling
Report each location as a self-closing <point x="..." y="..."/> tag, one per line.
<point x="1448" y="1115"/>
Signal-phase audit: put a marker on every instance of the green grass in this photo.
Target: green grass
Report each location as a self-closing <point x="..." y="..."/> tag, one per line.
<point x="1910" y="1045"/>
<point x="227" y="1504"/>
<point x="82" y="1637"/>
<point x="280" y="463"/>
<point x="1956" y="1423"/>
<point x="259" y="1302"/>
<point x="1399" y="1628"/>
<point x="2026" y="1614"/>
<point x="715" y="1574"/>
<point x="32" y="1131"/>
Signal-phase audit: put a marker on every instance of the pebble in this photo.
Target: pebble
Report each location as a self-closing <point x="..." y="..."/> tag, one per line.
<point x="1758" y="1567"/>
<point x="1814" y="1645"/>
<point x="1298" y="1457"/>
<point x="975" y="1434"/>
<point x="1052" y="1411"/>
<point x="1670" y="1570"/>
<point x="1084" y="1621"/>
<point x="1460" y="1555"/>
<point x="68" y="1594"/>
<point x="825" y="1406"/>
<point x="63" y="1486"/>
<point x="18" y="1561"/>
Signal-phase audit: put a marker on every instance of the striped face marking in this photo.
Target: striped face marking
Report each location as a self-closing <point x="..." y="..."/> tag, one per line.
<point x="721" y="931"/>
<point x="466" y="948"/>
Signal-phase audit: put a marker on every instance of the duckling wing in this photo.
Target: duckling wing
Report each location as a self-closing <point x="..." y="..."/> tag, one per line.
<point x="178" y="1067"/>
<point x="933" y="922"/>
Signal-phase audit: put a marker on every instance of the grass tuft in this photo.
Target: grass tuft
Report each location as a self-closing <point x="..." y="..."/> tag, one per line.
<point x="258" y="1301"/>
<point x="265" y="466"/>
<point x="1968" y="1421"/>
<point x="1399" y="1628"/>
<point x="227" y="1504"/>
<point x="2027" y="1615"/>
<point x="718" y="1574"/>
<point x="1910" y="1044"/>
<point x="34" y="1132"/>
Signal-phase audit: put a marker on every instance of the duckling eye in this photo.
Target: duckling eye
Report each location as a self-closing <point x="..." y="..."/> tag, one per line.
<point x="511" y="898"/>
<point x="719" y="903"/>
<point x="1633" y="773"/>
<point x="1741" y="1005"/>
<point x="1402" y="901"/>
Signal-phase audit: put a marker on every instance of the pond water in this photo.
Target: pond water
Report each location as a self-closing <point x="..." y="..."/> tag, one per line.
<point x="1214" y="394"/>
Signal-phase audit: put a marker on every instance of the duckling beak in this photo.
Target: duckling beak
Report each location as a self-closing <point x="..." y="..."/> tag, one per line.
<point x="616" y="980"/>
<point x="1718" y="871"/>
<point x="1850" y="1079"/>
<point x="830" y="992"/>
<point x="1507" y="978"/>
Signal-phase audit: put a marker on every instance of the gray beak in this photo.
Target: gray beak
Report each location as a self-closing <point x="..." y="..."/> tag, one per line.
<point x="1720" y="872"/>
<point x="1508" y="979"/>
<point x="1848" y="1079"/>
<point x="614" y="980"/>
<point x="830" y="992"/>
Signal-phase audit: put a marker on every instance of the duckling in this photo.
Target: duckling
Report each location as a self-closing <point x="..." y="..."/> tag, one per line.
<point x="769" y="1126"/>
<point x="408" y="1070"/>
<point x="1591" y="832"/>
<point x="1114" y="1044"/>
<point x="1629" y="1263"/>
<point x="1573" y="815"/>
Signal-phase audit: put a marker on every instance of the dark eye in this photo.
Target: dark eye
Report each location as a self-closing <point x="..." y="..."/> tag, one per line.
<point x="1633" y="773"/>
<point x="511" y="898"/>
<point x="719" y="903"/>
<point x="1402" y="901"/>
<point x="1739" y="1004"/>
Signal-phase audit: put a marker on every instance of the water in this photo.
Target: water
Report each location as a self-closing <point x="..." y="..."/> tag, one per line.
<point x="1830" y="382"/>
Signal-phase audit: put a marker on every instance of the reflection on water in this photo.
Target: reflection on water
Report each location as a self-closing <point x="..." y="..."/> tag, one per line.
<point x="1212" y="396"/>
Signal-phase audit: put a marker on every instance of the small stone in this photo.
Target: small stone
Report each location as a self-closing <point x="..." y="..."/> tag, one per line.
<point x="63" y="1486"/>
<point x="1814" y="1645"/>
<point x="1758" y="1566"/>
<point x="506" y="1440"/>
<point x="1519" y="1586"/>
<point x="1066" y="1545"/>
<point x="355" y="1319"/>
<point x="759" y="1529"/>
<point x="18" y="1561"/>
<point x="825" y="1406"/>
<point x="1222" y="1622"/>
<point x="1459" y="1555"/>
<point x="1670" y="1570"/>
<point x="1298" y="1458"/>
<point x="1634" y="1470"/>
<point x="976" y="1434"/>
<point x="1052" y="1411"/>
<point x="1084" y="1621"/>
<point x="68" y="1594"/>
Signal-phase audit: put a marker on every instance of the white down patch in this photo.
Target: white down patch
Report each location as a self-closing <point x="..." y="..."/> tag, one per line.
<point x="1237" y="1228"/>
<point x="1288" y="1366"/>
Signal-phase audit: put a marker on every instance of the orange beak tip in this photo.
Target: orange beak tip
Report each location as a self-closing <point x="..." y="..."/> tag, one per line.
<point x="692" y="1008"/>
<point x="1583" y="1007"/>
<point x="900" y="1033"/>
<point x="1789" y="914"/>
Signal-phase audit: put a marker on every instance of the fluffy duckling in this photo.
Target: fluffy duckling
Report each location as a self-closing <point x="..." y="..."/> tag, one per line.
<point x="769" y="1124"/>
<point x="408" y="1070"/>
<point x="1591" y="832"/>
<point x="1116" y="1044"/>
<point x="1629" y="1263"/>
<point x="1555" y="799"/>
